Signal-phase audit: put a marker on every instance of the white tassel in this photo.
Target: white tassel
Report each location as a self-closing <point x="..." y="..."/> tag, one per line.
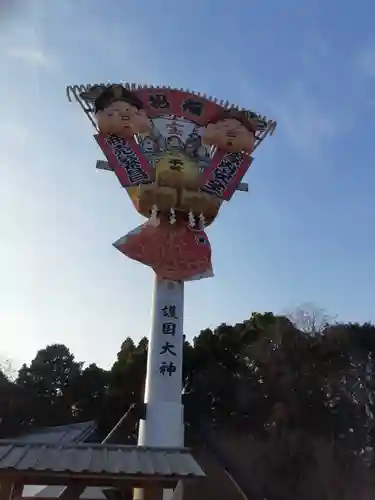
<point x="172" y="218"/>
<point x="154" y="213"/>
<point x="202" y="221"/>
<point x="191" y="219"/>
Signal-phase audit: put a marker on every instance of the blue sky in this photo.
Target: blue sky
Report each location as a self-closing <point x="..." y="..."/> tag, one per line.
<point x="305" y="231"/>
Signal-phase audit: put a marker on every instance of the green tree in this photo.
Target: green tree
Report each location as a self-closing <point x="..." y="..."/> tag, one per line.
<point x="47" y="380"/>
<point x="13" y="402"/>
<point x="87" y="393"/>
<point x="125" y="387"/>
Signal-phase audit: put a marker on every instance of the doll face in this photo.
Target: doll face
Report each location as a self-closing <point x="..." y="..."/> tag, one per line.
<point x="174" y="142"/>
<point x="148" y="145"/>
<point x="229" y="135"/>
<point x="123" y="119"/>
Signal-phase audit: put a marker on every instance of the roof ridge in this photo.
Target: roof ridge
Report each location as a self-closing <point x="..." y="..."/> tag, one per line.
<point x="49" y="428"/>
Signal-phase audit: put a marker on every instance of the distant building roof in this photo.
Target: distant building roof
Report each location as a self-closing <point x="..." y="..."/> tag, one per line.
<point x="81" y="459"/>
<point x="62" y="434"/>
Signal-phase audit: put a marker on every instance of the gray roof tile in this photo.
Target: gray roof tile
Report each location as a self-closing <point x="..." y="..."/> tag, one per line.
<point x="59" y="434"/>
<point x="96" y="459"/>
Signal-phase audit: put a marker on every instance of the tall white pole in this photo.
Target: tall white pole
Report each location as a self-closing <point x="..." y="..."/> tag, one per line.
<point x="164" y="422"/>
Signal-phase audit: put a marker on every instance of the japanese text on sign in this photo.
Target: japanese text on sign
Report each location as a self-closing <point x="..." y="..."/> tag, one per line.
<point x="223" y="174"/>
<point x="127" y="159"/>
<point x="168" y="367"/>
<point x="169" y="328"/>
<point x="158" y="101"/>
<point x="193" y="107"/>
<point x="175" y="164"/>
<point x="167" y="348"/>
<point x="169" y="312"/>
<point x="175" y="128"/>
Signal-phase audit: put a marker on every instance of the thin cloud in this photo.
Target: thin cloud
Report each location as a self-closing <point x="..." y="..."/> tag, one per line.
<point x="13" y="135"/>
<point x="8" y="9"/>
<point x="33" y="56"/>
<point x="301" y="118"/>
<point x="315" y="51"/>
<point x="366" y="61"/>
<point x="305" y="122"/>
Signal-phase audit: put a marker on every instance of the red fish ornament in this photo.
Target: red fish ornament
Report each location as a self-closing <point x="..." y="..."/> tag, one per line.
<point x="174" y="251"/>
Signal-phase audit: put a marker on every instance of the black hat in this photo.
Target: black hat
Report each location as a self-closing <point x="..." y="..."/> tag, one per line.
<point x="250" y="120"/>
<point x="116" y="93"/>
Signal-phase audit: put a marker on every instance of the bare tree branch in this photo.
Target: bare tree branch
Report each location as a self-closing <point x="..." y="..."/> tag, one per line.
<point x="7" y="368"/>
<point x="310" y="320"/>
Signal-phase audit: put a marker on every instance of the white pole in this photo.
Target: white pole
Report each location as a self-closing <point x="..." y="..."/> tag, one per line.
<point x="164" y="422"/>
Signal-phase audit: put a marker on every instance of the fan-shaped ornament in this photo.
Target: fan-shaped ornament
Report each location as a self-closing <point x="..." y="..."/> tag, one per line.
<point x="179" y="156"/>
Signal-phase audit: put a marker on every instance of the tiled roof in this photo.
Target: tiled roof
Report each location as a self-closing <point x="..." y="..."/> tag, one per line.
<point x="97" y="459"/>
<point x="62" y="434"/>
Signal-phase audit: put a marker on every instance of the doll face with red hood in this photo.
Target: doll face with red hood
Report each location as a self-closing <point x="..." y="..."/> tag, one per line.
<point x="230" y="135"/>
<point x="123" y="119"/>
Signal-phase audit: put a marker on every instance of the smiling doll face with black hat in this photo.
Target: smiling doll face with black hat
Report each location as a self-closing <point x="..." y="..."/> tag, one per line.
<point x="119" y="112"/>
<point x="231" y="132"/>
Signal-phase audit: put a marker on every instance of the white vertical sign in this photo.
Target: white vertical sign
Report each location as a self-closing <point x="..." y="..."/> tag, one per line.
<point x="164" y="364"/>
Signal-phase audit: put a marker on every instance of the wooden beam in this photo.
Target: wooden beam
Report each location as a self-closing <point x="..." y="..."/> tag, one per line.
<point x="103" y="165"/>
<point x="17" y="491"/>
<point x="10" y="489"/>
<point x="76" y="479"/>
<point x="6" y="490"/>
<point x="154" y="492"/>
